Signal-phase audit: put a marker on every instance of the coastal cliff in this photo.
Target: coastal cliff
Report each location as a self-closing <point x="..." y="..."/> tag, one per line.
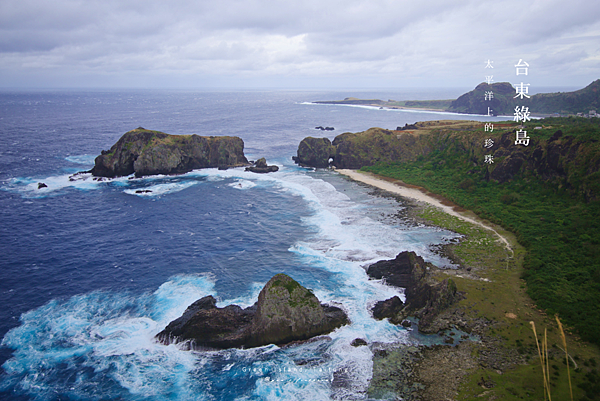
<point x="146" y="152"/>
<point x="569" y="161"/>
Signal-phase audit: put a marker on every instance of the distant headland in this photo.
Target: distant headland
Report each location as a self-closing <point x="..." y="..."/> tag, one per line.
<point x="500" y="101"/>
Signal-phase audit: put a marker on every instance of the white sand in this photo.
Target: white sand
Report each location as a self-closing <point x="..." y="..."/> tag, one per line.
<point x="414" y="193"/>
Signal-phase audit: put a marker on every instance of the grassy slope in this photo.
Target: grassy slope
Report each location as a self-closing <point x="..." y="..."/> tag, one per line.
<point x="561" y="234"/>
<point x="505" y="293"/>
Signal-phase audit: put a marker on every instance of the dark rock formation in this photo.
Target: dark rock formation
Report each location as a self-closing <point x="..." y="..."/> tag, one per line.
<point x="314" y="152"/>
<point x="145" y="152"/>
<point x="358" y="342"/>
<point x="388" y="308"/>
<point x="42" y="185"/>
<point x="261" y="167"/>
<point x="355" y="150"/>
<point x="425" y="298"/>
<point x="285" y="312"/>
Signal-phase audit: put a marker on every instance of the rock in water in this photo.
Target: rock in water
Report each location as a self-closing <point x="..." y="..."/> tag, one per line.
<point x="387" y="308"/>
<point x="145" y="152"/>
<point x="425" y="298"/>
<point x="285" y="312"/>
<point x="261" y="167"/>
<point x="314" y="152"/>
<point x="206" y="325"/>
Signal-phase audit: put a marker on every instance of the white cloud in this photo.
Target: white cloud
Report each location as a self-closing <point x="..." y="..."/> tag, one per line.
<point x="425" y="43"/>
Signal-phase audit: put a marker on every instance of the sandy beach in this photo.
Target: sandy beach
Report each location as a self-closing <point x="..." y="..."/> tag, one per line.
<point x="413" y="192"/>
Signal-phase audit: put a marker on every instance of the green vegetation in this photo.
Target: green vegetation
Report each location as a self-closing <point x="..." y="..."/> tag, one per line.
<point x="551" y="218"/>
<point x="421" y="104"/>
<point x="579" y="127"/>
<point x="503" y="102"/>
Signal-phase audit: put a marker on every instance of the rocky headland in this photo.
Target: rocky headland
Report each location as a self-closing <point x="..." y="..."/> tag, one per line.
<point x="285" y="312"/>
<point x="561" y="159"/>
<point x="499" y="98"/>
<point x="143" y="152"/>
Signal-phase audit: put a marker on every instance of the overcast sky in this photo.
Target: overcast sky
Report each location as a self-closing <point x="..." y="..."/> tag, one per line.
<point x="296" y="44"/>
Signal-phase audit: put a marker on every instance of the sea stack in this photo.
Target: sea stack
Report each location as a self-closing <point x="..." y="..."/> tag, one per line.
<point x="143" y="152"/>
<point x="285" y="312"/>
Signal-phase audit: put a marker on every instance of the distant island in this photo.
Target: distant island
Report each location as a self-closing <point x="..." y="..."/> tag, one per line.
<point x="500" y="101"/>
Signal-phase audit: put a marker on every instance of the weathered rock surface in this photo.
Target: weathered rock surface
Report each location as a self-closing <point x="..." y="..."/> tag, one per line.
<point x="569" y="162"/>
<point x="425" y="298"/>
<point x="261" y="167"/>
<point x="314" y="152"/>
<point x="285" y="312"/>
<point x="146" y="152"/>
<point x="355" y="150"/>
<point x="388" y="308"/>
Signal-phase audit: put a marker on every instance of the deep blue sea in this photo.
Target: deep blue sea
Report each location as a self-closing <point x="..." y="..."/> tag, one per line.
<point x="91" y="271"/>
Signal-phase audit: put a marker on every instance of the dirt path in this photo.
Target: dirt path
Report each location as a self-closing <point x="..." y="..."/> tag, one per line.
<point x="414" y="192"/>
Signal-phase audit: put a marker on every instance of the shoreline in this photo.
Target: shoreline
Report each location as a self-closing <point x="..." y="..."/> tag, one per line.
<point x="420" y="194"/>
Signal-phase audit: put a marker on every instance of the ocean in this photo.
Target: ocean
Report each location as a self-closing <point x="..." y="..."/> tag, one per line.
<point x="91" y="271"/>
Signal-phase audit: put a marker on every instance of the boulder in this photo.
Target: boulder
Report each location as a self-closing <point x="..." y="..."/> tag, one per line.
<point x="358" y="342"/>
<point x="261" y="167"/>
<point x="285" y="312"/>
<point x="388" y="308"/>
<point x="146" y="152"/>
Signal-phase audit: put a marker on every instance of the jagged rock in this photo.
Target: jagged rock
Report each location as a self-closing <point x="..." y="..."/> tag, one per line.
<point x="42" y="185"/>
<point x="145" y="152"/>
<point x="425" y="298"/>
<point x="261" y="167"/>
<point x="388" y="308"/>
<point x="285" y="312"/>
<point x="403" y="271"/>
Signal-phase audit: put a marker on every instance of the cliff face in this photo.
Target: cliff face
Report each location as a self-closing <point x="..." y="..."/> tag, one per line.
<point x="566" y="161"/>
<point x="355" y="150"/>
<point x="145" y="152"/>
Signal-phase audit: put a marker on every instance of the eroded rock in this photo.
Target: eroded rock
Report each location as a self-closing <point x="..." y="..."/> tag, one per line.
<point x="146" y="152"/>
<point x="285" y="312"/>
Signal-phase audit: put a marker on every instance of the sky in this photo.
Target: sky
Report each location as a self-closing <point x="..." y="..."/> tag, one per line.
<point x="305" y="44"/>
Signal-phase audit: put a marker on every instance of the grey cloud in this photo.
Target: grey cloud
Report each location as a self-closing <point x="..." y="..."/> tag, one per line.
<point x="314" y="38"/>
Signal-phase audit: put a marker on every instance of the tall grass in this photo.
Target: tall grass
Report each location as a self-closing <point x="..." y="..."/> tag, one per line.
<point x="543" y="355"/>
